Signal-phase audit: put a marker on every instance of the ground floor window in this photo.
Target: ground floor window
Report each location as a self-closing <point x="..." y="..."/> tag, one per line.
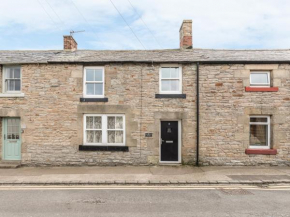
<point x="260" y="132"/>
<point x="104" y="129"/>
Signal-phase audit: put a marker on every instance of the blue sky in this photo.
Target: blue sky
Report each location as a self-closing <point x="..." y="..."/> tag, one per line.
<point x="223" y="24"/>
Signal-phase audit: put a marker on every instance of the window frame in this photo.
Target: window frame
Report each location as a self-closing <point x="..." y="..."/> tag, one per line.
<point x="104" y="130"/>
<point x="93" y="82"/>
<point x="268" y="123"/>
<point x="260" y="84"/>
<point x="180" y="78"/>
<point x="5" y="68"/>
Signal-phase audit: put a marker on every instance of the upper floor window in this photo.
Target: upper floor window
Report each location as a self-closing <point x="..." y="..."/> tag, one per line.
<point x="170" y="80"/>
<point x="260" y="132"/>
<point x="260" y="78"/>
<point x="12" y="79"/>
<point x="94" y="82"/>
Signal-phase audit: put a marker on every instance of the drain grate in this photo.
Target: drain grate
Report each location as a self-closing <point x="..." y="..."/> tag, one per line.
<point x="235" y="191"/>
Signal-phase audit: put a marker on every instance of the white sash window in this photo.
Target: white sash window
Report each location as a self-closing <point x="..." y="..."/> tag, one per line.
<point x="104" y="129"/>
<point x="170" y="80"/>
<point x="260" y="132"/>
<point x="94" y="82"/>
<point x="12" y="79"/>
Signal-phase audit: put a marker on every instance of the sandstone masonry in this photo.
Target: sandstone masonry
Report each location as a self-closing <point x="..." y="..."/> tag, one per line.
<point x="52" y="105"/>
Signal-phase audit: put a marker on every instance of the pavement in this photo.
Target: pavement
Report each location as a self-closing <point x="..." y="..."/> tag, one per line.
<point x="144" y="175"/>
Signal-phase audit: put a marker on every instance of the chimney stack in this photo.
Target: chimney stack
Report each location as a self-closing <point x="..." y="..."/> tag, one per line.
<point x="69" y="43"/>
<point x="185" y="34"/>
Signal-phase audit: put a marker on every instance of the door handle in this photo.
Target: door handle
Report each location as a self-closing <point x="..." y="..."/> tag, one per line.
<point x="4" y="136"/>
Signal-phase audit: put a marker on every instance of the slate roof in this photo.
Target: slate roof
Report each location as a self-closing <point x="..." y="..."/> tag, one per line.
<point x="177" y="55"/>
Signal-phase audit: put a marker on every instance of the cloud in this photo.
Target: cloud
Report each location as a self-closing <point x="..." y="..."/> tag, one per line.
<point x="238" y="24"/>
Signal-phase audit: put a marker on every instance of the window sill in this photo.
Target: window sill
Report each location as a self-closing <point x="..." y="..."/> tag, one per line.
<point x="171" y="96"/>
<point x="12" y="95"/>
<point x="103" y="148"/>
<point x="262" y="89"/>
<point x="261" y="151"/>
<point x="83" y="99"/>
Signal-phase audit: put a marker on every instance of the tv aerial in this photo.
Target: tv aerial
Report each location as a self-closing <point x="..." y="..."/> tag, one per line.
<point x="73" y="32"/>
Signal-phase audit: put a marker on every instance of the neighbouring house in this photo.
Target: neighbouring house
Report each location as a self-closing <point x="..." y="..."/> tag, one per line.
<point x="139" y="107"/>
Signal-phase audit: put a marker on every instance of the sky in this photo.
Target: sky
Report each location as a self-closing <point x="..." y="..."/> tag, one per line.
<point x="147" y="24"/>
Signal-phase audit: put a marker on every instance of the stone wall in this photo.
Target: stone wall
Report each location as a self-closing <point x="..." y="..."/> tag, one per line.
<point x="51" y="111"/>
<point x="225" y="108"/>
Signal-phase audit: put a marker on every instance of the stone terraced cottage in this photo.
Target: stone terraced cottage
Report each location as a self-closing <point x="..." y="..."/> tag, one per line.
<point x="139" y="107"/>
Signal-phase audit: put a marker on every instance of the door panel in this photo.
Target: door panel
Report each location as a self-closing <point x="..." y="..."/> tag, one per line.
<point x="11" y="139"/>
<point x="169" y="141"/>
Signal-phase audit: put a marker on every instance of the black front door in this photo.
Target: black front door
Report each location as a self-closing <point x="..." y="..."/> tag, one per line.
<point x="169" y="140"/>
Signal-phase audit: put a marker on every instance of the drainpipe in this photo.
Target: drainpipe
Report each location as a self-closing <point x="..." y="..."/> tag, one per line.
<point x="197" y="114"/>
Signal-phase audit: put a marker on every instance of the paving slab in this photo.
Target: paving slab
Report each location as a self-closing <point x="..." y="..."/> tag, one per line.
<point x="260" y="177"/>
<point x="146" y="175"/>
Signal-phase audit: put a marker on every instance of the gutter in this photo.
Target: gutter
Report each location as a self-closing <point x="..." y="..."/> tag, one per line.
<point x="173" y="61"/>
<point x="197" y="114"/>
<point x="150" y="61"/>
<point x="245" y="62"/>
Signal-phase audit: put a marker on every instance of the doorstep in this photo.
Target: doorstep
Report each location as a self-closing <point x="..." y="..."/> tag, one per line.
<point x="7" y="164"/>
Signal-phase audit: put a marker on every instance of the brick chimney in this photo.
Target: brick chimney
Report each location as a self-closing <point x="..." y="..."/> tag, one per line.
<point x="69" y="43"/>
<point x="185" y="34"/>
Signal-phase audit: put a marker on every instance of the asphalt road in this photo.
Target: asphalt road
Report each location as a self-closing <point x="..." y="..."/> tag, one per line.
<point x="167" y="202"/>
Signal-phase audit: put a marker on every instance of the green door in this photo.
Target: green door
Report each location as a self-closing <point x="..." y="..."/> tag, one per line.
<point x="11" y="139"/>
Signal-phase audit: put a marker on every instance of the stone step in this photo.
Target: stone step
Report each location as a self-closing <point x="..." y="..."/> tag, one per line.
<point x="10" y="164"/>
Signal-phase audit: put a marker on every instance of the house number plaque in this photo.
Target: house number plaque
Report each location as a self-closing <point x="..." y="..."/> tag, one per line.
<point x="148" y="134"/>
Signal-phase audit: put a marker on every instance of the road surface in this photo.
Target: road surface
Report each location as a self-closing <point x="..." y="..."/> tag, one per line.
<point x="144" y="201"/>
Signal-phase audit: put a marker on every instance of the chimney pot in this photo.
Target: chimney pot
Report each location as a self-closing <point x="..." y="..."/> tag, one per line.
<point x="185" y="34"/>
<point x="69" y="43"/>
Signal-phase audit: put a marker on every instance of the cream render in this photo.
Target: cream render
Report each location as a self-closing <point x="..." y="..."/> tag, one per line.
<point x="53" y="105"/>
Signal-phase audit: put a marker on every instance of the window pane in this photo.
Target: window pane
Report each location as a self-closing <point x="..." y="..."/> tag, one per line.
<point x="10" y="85"/>
<point x="98" y="136"/>
<point x="259" y="78"/>
<point x="9" y="73"/>
<point x="90" y="75"/>
<point x="98" y="75"/>
<point x="16" y="73"/>
<point x="165" y="72"/>
<point x="97" y="122"/>
<point x="119" y="122"/>
<point x="17" y="122"/>
<point x="90" y="89"/>
<point x="119" y="136"/>
<point x="258" y="119"/>
<point x="258" y="135"/>
<point x="111" y="136"/>
<point x="90" y="136"/>
<point x="174" y="85"/>
<point x="165" y="85"/>
<point x="111" y="122"/>
<point x="174" y="72"/>
<point x="17" y="85"/>
<point x="10" y="122"/>
<point x="15" y="130"/>
<point x="89" y="121"/>
<point x="9" y="130"/>
<point x="98" y="89"/>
